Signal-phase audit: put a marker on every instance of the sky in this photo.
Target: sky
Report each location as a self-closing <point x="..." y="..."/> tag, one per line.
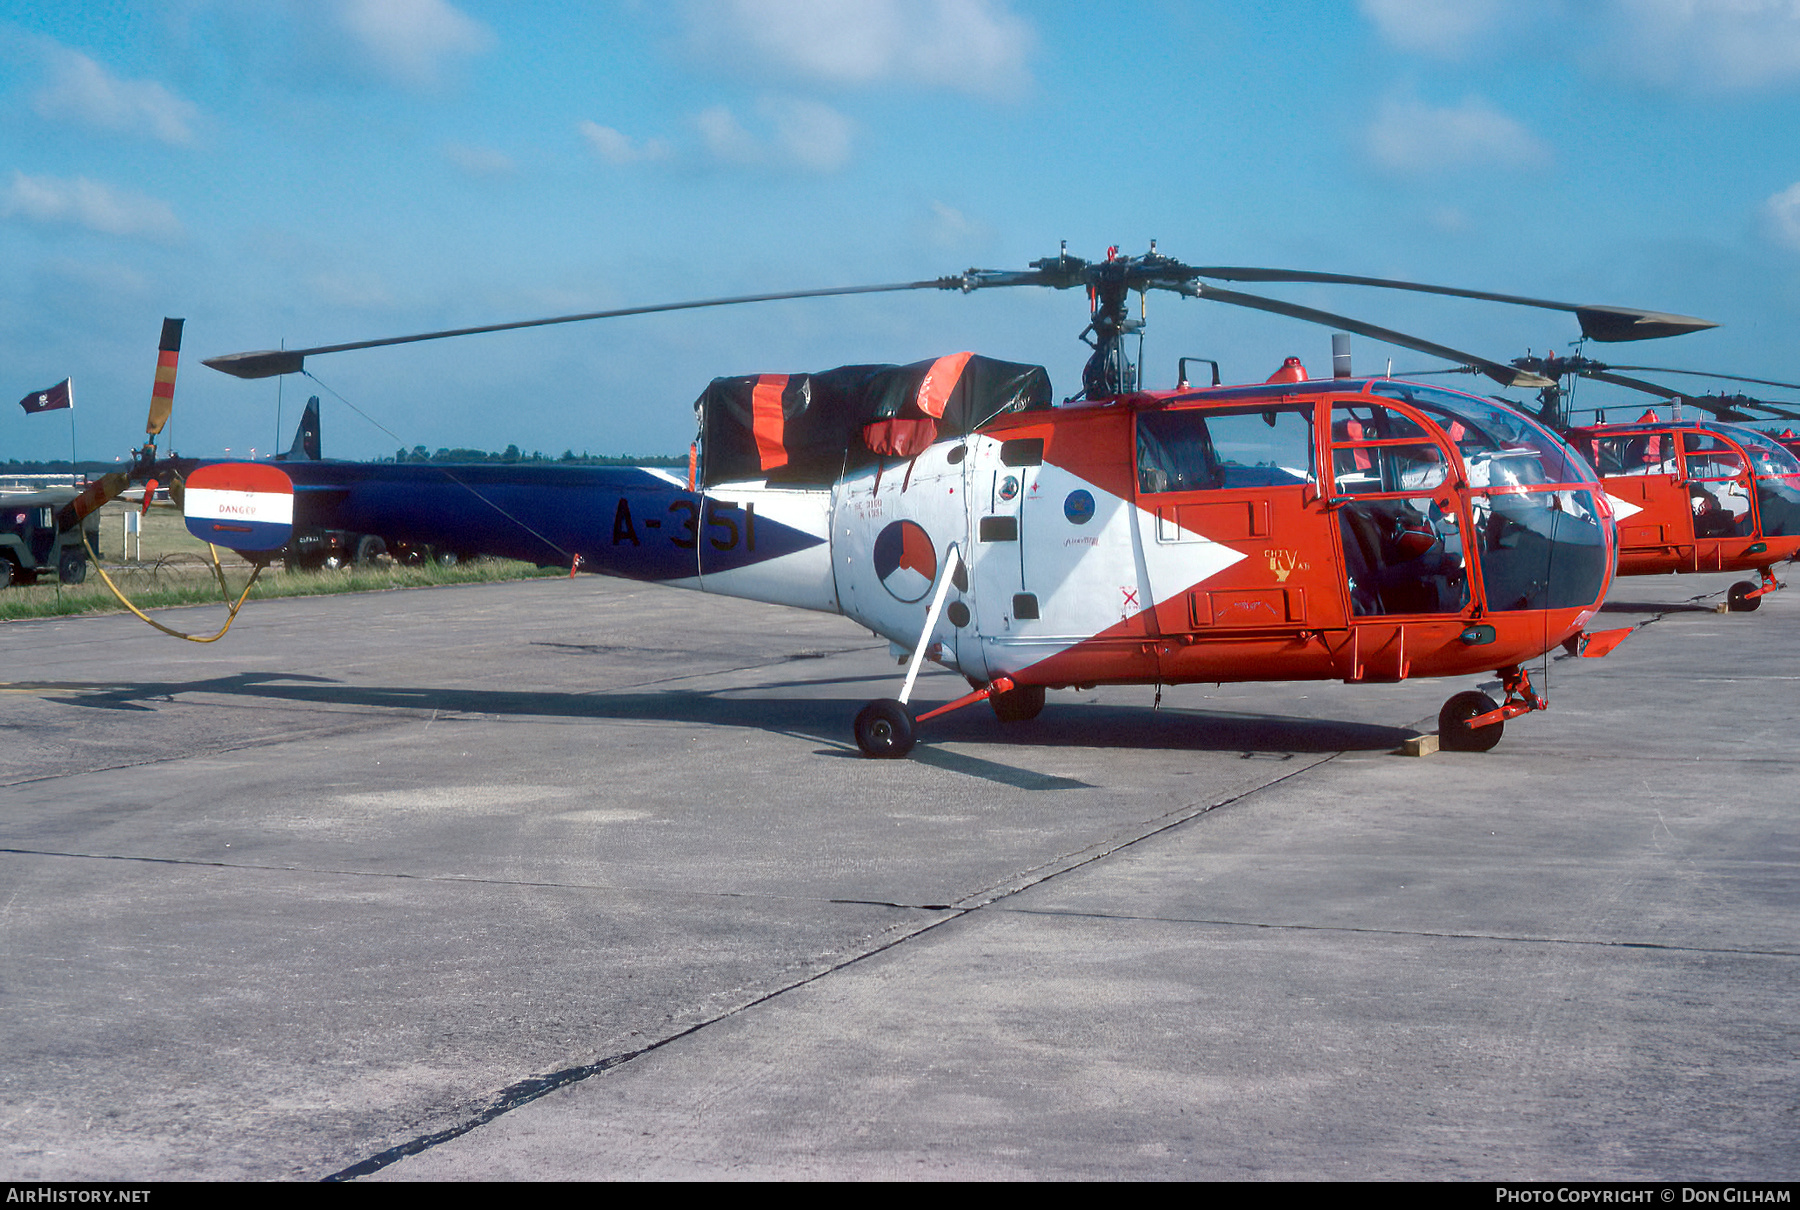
<point x="308" y="172"/>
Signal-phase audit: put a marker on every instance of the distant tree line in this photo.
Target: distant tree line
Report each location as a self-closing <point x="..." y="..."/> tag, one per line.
<point x="61" y="467"/>
<point x="512" y="453"/>
<point x="418" y="453"/>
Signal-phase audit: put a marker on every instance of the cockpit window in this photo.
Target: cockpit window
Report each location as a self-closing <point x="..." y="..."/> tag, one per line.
<point x="1710" y="457"/>
<point x="1381" y="450"/>
<point x="1634" y="454"/>
<point x="1502" y="448"/>
<point x="1186" y="450"/>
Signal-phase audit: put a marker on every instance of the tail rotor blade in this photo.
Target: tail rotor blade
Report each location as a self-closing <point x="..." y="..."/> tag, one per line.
<point x="162" y="395"/>
<point x="92" y="498"/>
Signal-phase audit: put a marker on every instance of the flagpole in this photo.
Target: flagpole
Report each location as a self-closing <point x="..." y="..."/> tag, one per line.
<point x="74" y="470"/>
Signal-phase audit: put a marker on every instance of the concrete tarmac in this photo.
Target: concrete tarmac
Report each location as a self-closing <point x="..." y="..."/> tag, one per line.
<point x="585" y="879"/>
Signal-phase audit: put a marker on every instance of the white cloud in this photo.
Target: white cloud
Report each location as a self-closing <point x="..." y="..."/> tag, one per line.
<point x="411" y="42"/>
<point x="1704" y="45"/>
<point x="78" y="89"/>
<point x="80" y="202"/>
<point x="480" y="161"/>
<point x="1446" y="29"/>
<point x="1781" y="218"/>
<point x="973" y="46"/>
<point x="947" y="227"/>
<point x="808" y="134"/>
<point x="1408" y="136"/>
<point x="725" y="137"/>
<point x="799" y="134"/>
<point x="618" y="148"/>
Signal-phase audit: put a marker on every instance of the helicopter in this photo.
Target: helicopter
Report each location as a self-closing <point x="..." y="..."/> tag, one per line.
<point x="1690" y="495"/>
<point x="1367" y="530"/>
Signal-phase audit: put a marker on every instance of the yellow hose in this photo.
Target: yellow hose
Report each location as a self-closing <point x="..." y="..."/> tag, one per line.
<point x="224" y="590"/>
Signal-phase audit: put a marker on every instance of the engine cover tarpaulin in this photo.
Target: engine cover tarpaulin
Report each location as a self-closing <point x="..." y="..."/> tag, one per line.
<point x="805" y="430"/>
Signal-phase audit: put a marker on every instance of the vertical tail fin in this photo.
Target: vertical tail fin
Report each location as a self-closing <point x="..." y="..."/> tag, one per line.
<point x="306" y="437"/>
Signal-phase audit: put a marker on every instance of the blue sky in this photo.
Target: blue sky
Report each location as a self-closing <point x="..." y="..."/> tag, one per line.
<point x="321" y="171"/>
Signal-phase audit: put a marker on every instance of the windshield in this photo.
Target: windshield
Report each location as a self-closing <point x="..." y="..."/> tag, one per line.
<point x="1502" y="448"/>
<point x="1767" y="456"/>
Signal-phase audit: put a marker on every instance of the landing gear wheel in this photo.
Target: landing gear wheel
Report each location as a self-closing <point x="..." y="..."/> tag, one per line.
<point x="1019" y="705"/>
<point x="1739" y="601"/>
<point x="368" y="549"/>
<point x="884" y="730"/>
<point x="446" y="558"/>
<point x="1454" y="732"/>
<point x="72" y="567"/>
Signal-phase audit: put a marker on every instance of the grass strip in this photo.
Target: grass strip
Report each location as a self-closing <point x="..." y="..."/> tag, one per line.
<point x="188" y="580"/>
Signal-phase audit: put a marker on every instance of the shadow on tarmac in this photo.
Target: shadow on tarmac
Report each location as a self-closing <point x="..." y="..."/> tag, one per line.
<point x="1695" y="606"/>
<point x="1063" y="724"/>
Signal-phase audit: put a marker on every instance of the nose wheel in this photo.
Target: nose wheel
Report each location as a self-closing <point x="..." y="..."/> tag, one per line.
<point x="1746" y="595"/>
<point x="1454" y="732"/>
<point x="1471" y="722"/>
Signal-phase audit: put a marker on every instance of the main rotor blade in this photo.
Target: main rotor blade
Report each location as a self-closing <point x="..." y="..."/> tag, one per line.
<point x="1763" y="382"/>
<point x="1602" y="323"/>
<point x="1716" y="410"/>
<point x="1724" y="410"/>
<point x="1740" y="407"/>
<point x="1505" y="375"/>
<point x="268" y="363"/>
<point x="1635" y="384"/>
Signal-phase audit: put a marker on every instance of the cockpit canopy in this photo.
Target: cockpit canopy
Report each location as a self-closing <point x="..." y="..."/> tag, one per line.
<point x="1375" y="448"/>
<point x="1421" y="479"/>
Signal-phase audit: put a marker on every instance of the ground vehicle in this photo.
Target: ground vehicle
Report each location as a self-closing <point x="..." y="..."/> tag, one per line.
<point x="32" y="544"/>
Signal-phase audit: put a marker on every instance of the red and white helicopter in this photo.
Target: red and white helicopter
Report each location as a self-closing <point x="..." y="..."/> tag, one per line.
<point x="1689" y="495"/>
<point x="1348" y="529"/>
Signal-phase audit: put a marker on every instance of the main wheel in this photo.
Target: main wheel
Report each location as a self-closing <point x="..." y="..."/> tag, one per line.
<point x="446" y="558"/>
<point x="1018" y="705"/>
<point x="884" y="730"/>
<point x="1454" y="732"/>
<point x="1739" y="600"/>
<point x="71" y="568"/>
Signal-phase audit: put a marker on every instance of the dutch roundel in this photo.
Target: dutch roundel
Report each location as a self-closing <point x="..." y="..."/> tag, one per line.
<point x="240" y="505"/>
<point x="905" y="560"/>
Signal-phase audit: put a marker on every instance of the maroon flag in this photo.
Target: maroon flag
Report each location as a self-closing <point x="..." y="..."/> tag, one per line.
<point x="47" y="400"/>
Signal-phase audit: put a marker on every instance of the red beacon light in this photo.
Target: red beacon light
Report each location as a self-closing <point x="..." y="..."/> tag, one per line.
<point x="1291" y="371"/>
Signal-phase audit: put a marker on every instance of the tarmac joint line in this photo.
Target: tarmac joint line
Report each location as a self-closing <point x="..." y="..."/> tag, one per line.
<point x="522" y="1093"/>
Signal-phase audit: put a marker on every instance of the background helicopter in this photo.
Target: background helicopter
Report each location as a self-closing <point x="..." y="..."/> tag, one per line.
<point x="1127" y="537"/>
<point x="1691" y="495"/>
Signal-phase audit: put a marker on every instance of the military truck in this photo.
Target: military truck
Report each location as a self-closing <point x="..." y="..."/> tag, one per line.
<point x="30" y="545"/>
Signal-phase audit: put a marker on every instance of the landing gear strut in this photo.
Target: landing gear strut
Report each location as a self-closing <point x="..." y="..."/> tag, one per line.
<point x="1746" y="595"/>
<point x="886" y="729"/>
<point x="1471" y="722"/>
